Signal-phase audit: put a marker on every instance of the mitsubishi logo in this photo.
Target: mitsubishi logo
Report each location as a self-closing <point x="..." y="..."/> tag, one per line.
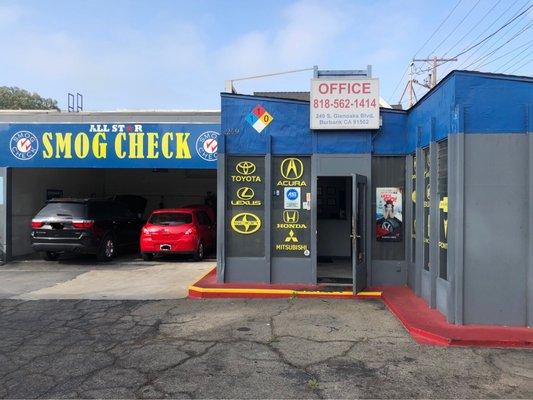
<point x="291" y="237"/>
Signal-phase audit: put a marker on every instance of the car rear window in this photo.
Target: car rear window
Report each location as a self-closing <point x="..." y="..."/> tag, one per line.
<point x="171" y="219"/>
<point x="63" y="210"/>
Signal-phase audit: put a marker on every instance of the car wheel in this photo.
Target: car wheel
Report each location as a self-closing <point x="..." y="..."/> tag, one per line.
<point x="107" y="249"/>
<point x="199" y="255"/>
<point x="50" y="256"/>
<point x="148" y="256"/>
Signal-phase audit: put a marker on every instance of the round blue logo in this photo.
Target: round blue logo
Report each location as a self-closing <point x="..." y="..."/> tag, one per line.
<point x="24" y="145"/>
<point x="207" y="145"/>
<point x="292" y="194"/>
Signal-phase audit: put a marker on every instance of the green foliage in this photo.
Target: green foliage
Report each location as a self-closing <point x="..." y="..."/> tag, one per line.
<point x="13" y="98"/>
<point x="313" y="384"/>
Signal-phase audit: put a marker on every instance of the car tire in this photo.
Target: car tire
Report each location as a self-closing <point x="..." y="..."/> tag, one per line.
<point x="199" y="255"/>
<point x="50" y="256"/>
<point x="107" y="249"/>
<point x="148" y="256"/>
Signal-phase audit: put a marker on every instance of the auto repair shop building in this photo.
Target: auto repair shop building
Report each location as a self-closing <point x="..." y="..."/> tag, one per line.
<point x="167" y="157"/>
<point x="438" y="197"/>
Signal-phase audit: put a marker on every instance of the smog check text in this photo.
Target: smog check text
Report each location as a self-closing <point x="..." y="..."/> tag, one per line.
<point x="128" y="141"/>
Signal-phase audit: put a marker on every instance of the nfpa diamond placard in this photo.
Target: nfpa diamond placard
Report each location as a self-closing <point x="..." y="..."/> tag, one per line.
<point x="259" y="118"/>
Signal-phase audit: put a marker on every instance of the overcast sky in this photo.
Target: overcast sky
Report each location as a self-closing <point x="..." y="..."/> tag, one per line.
<point x="177" y="54"/>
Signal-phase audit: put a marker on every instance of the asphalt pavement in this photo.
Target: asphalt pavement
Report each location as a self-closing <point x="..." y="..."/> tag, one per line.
<point x="296" y="348"/>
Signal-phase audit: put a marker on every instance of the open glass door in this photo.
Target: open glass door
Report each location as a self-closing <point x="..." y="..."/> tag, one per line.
<point x="358" y="234"/>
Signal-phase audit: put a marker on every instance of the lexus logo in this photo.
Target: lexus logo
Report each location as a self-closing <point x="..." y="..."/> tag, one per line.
<point x="245" y="193"/>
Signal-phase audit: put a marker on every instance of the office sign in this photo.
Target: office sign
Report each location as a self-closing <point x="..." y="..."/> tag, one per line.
<point x="109" y="145"/>
<point x="344" y="103"/>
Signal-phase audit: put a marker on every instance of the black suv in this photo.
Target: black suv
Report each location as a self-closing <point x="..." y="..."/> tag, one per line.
<point x="85" y="226"/>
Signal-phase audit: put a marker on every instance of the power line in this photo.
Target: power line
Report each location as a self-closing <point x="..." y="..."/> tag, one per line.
<point x="509" y="52"/>
<point x="474" y="27"/>
<point x="495" y="50"/>
<point x="493" y="33"/>
<point x="399" y="83"/>
<point x="484" y="40"/>
<point x="454" y="29"/>
<point x="518" y="62"/>
<point x="490" y="26"/>
<point x="438" y="28"/>
<point x="522" y="66"/>
<point x="424" y="45"/>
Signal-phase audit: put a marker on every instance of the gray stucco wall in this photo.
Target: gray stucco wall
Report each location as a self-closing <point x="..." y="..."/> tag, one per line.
<point x="5" y="212"/>
<point x="497" y="237"/>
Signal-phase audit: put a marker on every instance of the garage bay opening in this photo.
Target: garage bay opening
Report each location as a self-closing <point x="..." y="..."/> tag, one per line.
<point x="97" y="192"/>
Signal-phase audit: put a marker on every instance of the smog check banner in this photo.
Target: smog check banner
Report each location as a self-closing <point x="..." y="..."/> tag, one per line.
<point x="109" y="145"/>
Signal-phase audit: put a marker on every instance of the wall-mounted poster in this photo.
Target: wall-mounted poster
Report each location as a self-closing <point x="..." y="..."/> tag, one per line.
<point x="389" y="214"/>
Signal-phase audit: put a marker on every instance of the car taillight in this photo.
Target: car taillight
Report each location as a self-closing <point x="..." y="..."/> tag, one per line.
<point x="190" y="231"/>
<point x="37" y="224"/>
<point x="145" y="231"/>
<point x="83" y="224"/>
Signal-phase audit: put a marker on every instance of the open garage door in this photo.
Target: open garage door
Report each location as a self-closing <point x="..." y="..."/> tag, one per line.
<point x="162" y="188"/>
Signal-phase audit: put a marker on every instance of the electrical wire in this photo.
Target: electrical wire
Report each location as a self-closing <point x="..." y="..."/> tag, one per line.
<point x="524" y="29"/>
<point x="471" y="29"/>
<point x="493" y="33"/>
<point x="518" y="62"/>
<point x="438" y="28"/>
<point x="522" y="66"/>
<point x="485" y="38"/>
<point x="502" y="14"/>
<point x="424" y="45"/>
<point x="512" y="58"/>
<point x="454" y="29"/>
<point x="480" y="47"/>
<point x="509" y="52"/>
<point x="399" y="83"/>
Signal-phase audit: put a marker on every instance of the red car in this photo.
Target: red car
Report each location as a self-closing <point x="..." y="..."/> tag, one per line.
<point x="177" y="231"/>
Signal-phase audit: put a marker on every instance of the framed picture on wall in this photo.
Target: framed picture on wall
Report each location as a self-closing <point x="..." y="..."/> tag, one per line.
<point x="389" y="214"/>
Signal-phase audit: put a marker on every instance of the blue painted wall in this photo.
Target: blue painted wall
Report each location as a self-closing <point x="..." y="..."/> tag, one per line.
<point x="290" y="134"/>
<point x="492" y="104"/>
<point x="464" y="101"/>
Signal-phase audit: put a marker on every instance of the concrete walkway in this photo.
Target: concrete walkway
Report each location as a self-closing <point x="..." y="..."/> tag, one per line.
<point x="126" y="278"/>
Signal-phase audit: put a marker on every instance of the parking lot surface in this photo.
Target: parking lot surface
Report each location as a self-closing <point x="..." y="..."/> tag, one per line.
<point x="125" y="278"/>
<point x="297" y="348"/>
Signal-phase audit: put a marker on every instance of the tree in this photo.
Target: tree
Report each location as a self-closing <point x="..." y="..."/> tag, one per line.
<point x="14" y="98"/>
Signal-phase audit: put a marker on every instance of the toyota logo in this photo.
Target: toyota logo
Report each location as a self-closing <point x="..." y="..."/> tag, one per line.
<point x="245" y="168"/>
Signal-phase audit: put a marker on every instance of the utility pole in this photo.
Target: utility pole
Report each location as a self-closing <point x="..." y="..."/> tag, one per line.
<point x="429" y="83"/>
<point x="410" y="88"/>
<point x="435" y="62"/>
